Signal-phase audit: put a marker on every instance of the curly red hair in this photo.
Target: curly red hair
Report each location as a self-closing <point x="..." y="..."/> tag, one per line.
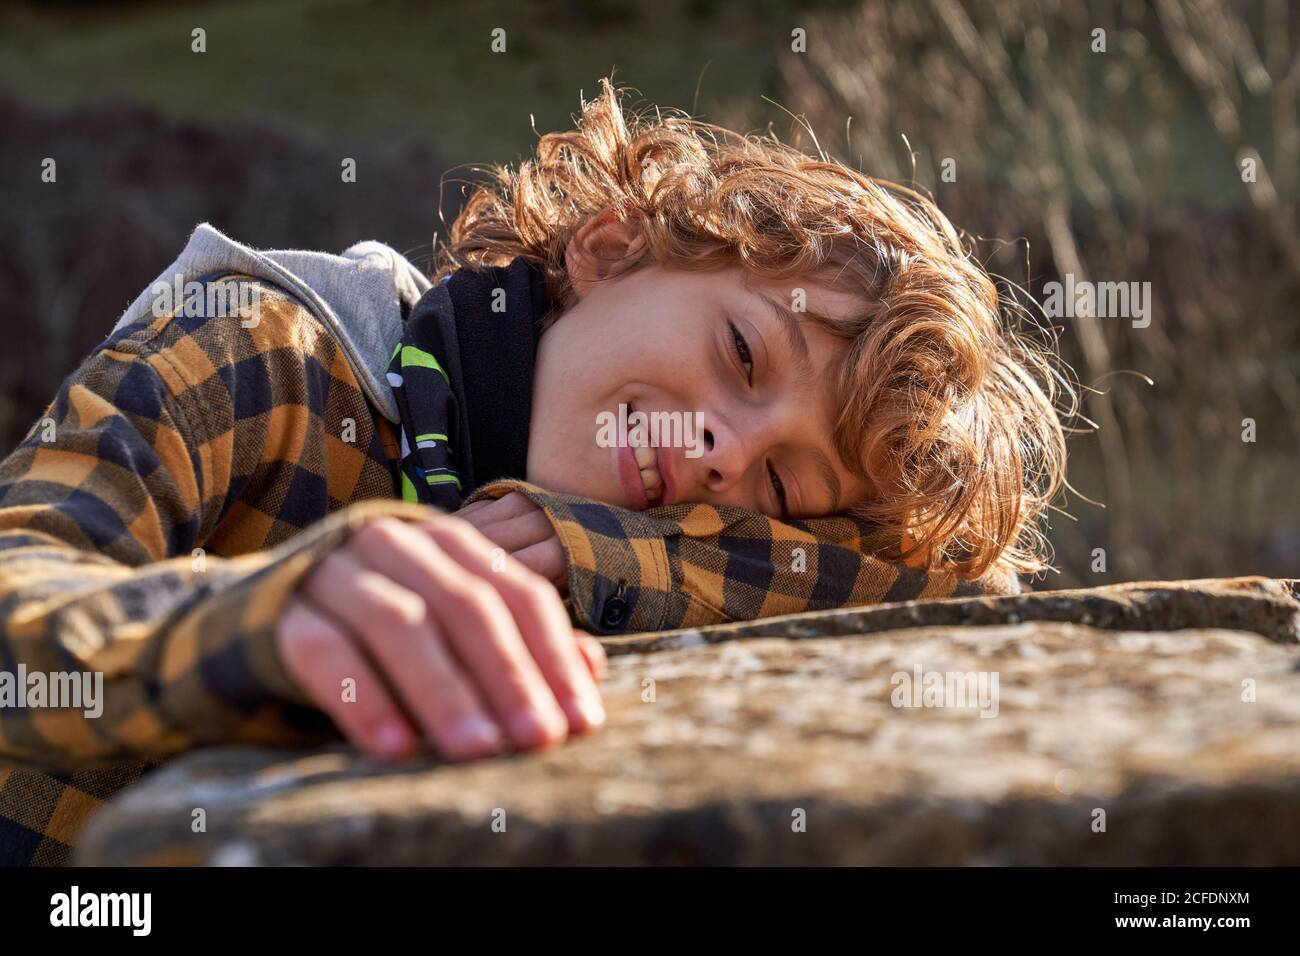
<point x="947" y="412"/>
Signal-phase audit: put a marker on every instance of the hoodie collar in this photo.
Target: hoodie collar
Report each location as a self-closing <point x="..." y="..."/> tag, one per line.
<point x="360" y="295"/>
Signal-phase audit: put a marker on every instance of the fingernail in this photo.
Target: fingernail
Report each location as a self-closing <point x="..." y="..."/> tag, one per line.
<point x="592" y="710"/>
<point x="474" y="732"/>
<point x="585" y="712"/>
<point x="392" y="739"/>
<point x="528" y="730"/>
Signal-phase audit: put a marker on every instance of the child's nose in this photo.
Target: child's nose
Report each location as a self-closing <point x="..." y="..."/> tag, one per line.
<point x="726" y="458"/>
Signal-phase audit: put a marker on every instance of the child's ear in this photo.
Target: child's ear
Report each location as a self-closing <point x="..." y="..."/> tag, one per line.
<point x="606" y="245"/>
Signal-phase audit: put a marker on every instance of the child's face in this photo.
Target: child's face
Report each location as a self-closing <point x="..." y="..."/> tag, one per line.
<point x="660" y="340"/>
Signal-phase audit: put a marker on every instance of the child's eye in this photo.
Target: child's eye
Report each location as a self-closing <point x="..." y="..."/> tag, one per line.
<point x="742" y="352"/>
<point x="778" y="488"/>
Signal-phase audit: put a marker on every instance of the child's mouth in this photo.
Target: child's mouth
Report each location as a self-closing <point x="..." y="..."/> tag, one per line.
<point x="648" y="467"/>
<point x="638" y="471"/>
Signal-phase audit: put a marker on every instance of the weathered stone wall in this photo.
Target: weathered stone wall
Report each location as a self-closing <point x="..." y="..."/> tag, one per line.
<point x="1170" y="712"/>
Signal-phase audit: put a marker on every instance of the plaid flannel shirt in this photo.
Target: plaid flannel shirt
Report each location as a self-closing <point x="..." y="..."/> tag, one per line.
<point x="187" y="476"/>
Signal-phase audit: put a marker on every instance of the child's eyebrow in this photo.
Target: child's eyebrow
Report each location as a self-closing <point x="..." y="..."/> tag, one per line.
<point x="790" y="325"/>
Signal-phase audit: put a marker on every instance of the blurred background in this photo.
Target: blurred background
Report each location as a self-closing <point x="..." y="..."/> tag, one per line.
<point x="1163" y="149"/>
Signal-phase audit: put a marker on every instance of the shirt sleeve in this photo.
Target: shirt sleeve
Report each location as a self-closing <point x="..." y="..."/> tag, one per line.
<point x="691" y="565"/>
<point x="103" y="508"/>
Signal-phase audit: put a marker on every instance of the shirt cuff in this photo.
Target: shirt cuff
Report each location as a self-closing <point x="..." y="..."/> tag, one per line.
<point x="620" y="578"/>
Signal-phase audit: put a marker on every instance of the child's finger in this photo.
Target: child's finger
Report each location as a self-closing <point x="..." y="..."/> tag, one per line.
<point x="541" y="620"/>
<point x="480" y="629"/>
<point x="391" y="623"/>
<point x="594" y="654"/>
<point x="513" y="533"/>
<point x="475" y="506"/>
<point x="547" y="559"/>
<point x="497" y="509"/>
<point x="319" y="656"/>
<point x="515" y="504"/>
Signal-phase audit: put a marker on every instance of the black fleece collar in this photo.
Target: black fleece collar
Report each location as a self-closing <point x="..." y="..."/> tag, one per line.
<point x="481" y="327"/>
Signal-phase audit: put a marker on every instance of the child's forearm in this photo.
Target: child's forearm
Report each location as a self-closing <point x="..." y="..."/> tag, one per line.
<point x="105" y="584"/>
<point x="161" y="658"/>
<point x="698" y="564"/>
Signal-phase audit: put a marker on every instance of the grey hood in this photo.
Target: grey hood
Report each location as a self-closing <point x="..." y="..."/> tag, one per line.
<point x="359" y="295"/>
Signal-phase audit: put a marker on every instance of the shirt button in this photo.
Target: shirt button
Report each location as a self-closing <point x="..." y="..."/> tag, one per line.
<point x="614" y="613"/>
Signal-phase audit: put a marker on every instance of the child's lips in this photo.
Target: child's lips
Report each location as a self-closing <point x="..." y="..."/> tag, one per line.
<point x="663" y="459"/>
<point x="629" y="476"/>
<point x="645" y="474"/>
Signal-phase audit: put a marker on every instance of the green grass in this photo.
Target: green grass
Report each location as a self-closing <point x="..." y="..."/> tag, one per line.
<point x="386" y="72"/>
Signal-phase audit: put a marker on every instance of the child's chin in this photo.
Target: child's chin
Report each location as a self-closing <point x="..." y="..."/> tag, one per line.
<point x="611" y="493"/>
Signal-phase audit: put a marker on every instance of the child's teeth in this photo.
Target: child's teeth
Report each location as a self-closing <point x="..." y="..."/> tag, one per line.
<point x="647" y="464"/>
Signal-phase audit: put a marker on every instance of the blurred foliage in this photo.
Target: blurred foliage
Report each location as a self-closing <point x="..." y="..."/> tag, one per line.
<point x="1114" y="166"/>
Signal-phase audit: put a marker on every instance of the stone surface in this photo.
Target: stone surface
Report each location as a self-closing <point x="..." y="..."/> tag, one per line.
<point x="1174" y="708"/>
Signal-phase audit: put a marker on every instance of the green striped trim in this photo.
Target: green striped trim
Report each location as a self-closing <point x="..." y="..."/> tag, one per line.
<point x="418" y="357"/>
<point x="408" y="490"/>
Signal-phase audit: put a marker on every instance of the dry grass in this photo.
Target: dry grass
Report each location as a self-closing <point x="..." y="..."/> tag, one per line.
<point x="1123" y="165"/>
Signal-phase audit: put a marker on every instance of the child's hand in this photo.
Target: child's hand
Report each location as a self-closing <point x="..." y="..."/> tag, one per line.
<point x="444" y="640"/>
<point x="522" y="530"/>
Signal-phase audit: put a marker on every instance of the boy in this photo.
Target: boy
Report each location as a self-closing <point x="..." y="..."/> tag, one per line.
<point x="206" y="514"/>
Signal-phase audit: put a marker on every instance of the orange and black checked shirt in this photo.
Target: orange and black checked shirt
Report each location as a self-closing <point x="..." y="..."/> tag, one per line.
<point x="186" y="477"/>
